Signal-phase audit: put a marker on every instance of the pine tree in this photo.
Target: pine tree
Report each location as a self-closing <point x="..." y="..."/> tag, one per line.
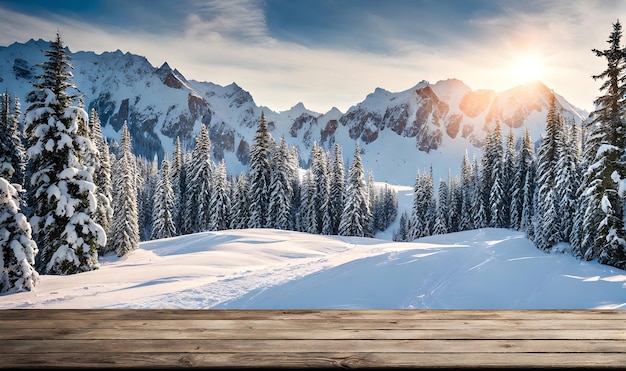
<point x="403" y="232"/>
<point x="307" y="216"/>
<point x="466" y="191"/>
<point x="566" y="184"/>
<point x="321" y="192"/>
<point x="337" y="181"/>
<point x="162" y="213"/>
<point x="102" y="174"/>
<point x="373" y="201"/>
<point x="478" y="206"/>
<point x="356" y="212"/>
<point x="525" y="160"/>
<point x="147" y="178"/>
<point x="12" y="153"/>
<point x="177" y="175"/>
<point x="387" y="207"/>
<point x="199" y="185"/>
<point x="62" y="192"/>
<point x="17" y="249"/>
<point x="281" y="193"/>
<point x="605" y="176"/>
<point x="259" y="177"/>
<point x="443" y="207"/>
<point x="241" y="204"/>
<point x="547" y="160"/>
<point x="220" y="200"/>
<point x="492" y="157"/>
<point x="124" y="236"/>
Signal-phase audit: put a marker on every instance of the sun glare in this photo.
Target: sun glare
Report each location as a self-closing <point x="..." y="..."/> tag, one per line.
<point x="528" y="68"/>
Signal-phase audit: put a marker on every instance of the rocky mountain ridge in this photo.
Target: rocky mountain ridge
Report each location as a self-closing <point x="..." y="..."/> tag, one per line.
<point x="399" y="132"/>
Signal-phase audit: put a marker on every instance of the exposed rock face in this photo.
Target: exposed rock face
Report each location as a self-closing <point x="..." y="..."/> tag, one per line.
<point x="160" y="104"/>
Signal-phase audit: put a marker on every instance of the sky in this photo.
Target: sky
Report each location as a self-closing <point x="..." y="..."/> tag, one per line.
<point x="328" y="53"/>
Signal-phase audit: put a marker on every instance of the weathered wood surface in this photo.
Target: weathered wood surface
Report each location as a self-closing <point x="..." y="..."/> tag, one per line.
<point x="152" y="339"/>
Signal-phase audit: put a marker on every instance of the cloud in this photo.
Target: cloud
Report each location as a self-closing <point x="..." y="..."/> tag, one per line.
<point x="234" y="41"/>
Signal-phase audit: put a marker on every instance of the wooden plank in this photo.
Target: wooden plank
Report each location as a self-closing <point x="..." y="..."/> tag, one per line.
<point x="77" y="333"/>
<point x="296" y="346"/>
<point x="198" y="314"/>
<point x="330" y="325"/>
<point x="304" y="339"/>
<point x="69" y="360"/>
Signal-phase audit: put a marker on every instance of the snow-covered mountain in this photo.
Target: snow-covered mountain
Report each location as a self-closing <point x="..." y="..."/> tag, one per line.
<point x="400" y="133"/>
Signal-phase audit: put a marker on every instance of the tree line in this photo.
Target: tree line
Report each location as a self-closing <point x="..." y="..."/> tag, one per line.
<point x="68" y="195"/>
<point x="567" y="194"/>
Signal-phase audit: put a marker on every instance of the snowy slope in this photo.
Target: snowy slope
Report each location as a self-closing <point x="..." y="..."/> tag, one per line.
<point x="399" y="132"/>
<point x="245" y="269"/>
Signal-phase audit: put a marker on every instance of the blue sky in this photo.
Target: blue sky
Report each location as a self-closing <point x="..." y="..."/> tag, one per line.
<point x="334" y="52"/>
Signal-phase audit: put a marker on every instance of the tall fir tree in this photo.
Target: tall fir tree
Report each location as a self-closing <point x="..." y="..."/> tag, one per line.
<point x="548" y="231"/>
<point x="241" y="204"/>
<point x="177" y="175"/>
<point x="162" y="213"/>
<point x="62" y="193"/>
<point x="12" y="153"/>
<point x="124" y="236"/>
<point x="259" y="176"/>
<point x="606" y="173"/>
<point x="220" y="200"/>
<point x="356" y="212"/>
<point x="492" y="157"/>
<point x="199" y="185"/>
<point x="17" y="248"/>
<point x="337" y="181"/>
<point x="524" y="161"/>
<point x="443" y="208"/>
<point x="281" y="193"/>
<point x="102" y="173"/>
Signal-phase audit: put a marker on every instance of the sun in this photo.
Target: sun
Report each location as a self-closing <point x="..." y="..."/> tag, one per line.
<point x="528" y="68"/>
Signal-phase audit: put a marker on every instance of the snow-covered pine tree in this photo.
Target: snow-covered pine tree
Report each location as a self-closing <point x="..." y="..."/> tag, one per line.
<point x="356" y="210"/>
<point x="177" y="175"/>
<point x="124" y="236"/>
<point x="337" y="181"/>
<point x="321" y="192"/>
<point x="147" y="178"/>
<point x="524" y="161"/>
<point x="443" y="207"/>
<point x="387" y="207"/>
<point x="220" y="200"/>
<point x="102" y="173"/>
<point x="424" y="206"/>
<point x="492" y="157"/>
<point x="567" y="182"/>
<point x="605" y="177"/>
<point x="497" y="199"/>
<point x="281" y="193"/>
<point x="510" y="161"/>
<point x="162" y="212"/>
<point x="307" y="216"/>
<point x="373" y="201"/>
<point x="12" y="153"/>
<point x="259" y="176"/>
<point x="466" y="190"/>
<point x="478" y="207"/>
<point x="402" y="234"/>
<point x="547" y="160"/>
<point x="241" y="203"/>
<point x="17" y="248"/>
<point x="62" y="193"/>
<point x="455" y="198"/>
<point x="199" y="185"/>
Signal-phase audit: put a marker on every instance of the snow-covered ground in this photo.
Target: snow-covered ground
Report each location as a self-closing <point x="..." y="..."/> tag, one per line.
<point x="264" y="268"/>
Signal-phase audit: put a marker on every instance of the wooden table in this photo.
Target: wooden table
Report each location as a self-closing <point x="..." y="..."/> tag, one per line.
<point x="152" y="339"/>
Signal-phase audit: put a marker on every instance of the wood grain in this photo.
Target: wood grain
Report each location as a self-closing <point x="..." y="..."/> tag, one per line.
<point x="152" y="339"/>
